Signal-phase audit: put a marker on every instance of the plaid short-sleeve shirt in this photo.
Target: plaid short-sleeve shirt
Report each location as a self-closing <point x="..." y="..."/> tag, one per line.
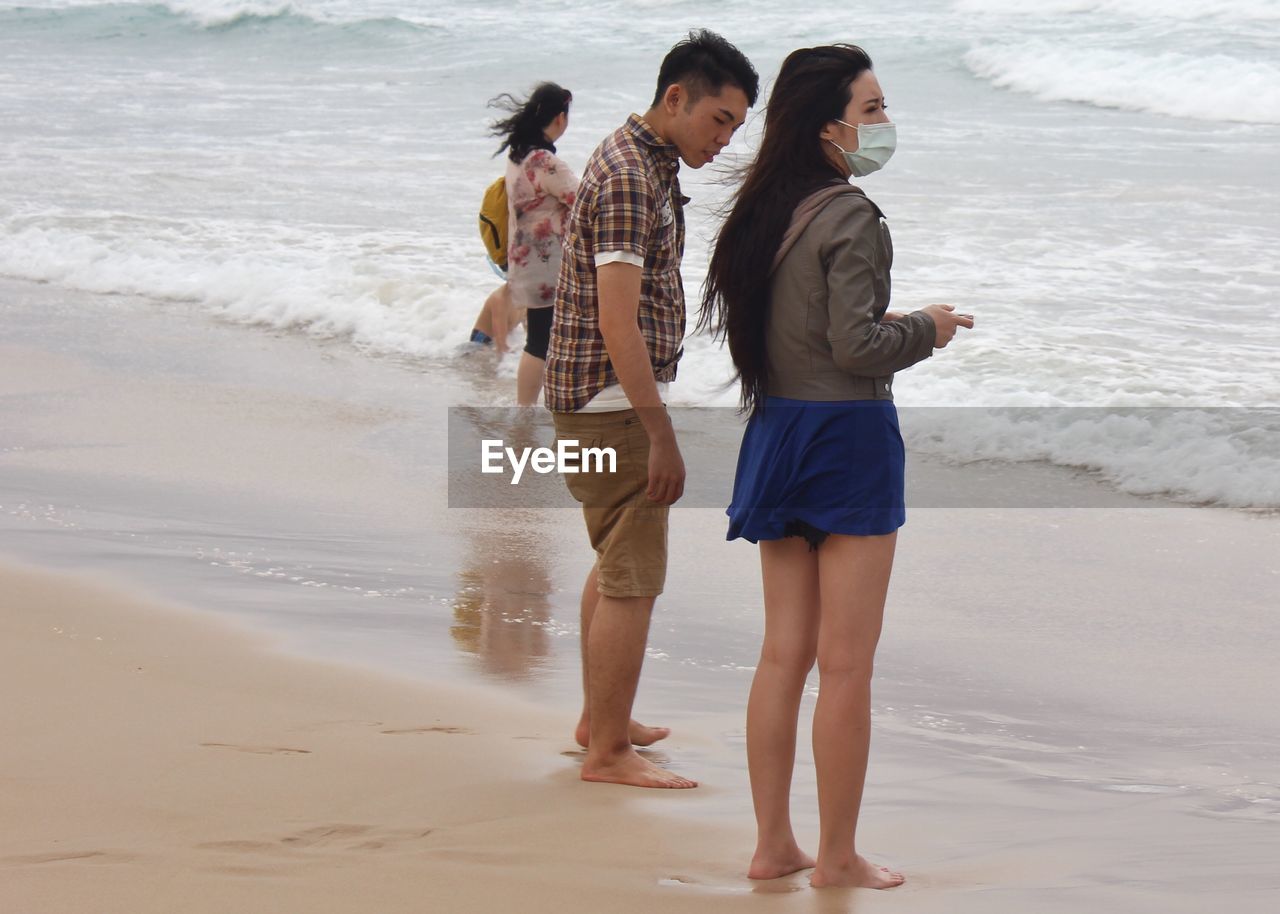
<point x="629" y="208"/>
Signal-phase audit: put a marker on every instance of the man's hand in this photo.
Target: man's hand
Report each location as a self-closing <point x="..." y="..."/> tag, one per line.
<point x="619" y="303"/>
<point x="666" y="470"/>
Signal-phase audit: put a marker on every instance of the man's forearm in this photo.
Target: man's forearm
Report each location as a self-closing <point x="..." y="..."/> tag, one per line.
<point x="630" y="359"/>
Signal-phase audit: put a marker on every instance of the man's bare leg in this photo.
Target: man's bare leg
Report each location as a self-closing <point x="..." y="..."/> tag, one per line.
<point x="640" y="734"/>
<point x="619" y="631"/>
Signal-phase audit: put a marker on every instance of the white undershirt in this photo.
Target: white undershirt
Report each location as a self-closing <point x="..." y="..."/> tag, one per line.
<point x="619" y="257"/>
<point x="613" y="399"/>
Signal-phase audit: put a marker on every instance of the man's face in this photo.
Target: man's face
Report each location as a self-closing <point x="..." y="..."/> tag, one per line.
<point x="704" y="128"/>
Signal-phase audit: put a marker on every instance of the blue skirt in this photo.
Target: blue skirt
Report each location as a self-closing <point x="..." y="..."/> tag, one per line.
<point x="835" y="467"/>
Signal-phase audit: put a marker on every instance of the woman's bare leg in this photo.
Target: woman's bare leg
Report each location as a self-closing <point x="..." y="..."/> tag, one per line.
<point x="791" y="612"/>
<point x="499" y="307"/>
<point x="853" y="581"/>
<point x="529" y="379"/>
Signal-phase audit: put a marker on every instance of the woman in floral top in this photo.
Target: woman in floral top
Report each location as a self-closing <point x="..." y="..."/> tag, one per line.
<point x="540" y="193"/>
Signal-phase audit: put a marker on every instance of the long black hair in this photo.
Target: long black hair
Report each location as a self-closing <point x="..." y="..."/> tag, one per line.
<point x="812" y="89"/>
<point x="523" y="131"/>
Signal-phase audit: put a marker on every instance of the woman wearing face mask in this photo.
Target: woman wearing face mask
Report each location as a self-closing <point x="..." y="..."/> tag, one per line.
<point x="540" y="193"/>
<point x="799" y="286"/>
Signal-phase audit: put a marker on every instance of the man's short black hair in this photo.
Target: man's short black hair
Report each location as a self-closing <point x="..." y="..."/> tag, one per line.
<point x="704" y="63"/>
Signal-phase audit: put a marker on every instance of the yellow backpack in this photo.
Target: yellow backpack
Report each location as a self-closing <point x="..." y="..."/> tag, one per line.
<point x="493" y="221"/>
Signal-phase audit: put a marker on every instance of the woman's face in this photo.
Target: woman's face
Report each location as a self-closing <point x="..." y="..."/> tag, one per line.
<point x="866" y="106"/>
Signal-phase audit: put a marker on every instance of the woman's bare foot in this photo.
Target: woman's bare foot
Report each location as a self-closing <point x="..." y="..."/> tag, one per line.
<point x="860" y="873"/>
<point x="772" y="863"/>
<point x="639" y="733"/>
<point x="634" y="770"/>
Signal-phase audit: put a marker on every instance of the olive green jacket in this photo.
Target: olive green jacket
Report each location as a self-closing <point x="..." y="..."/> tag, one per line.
<point x="829" y="290"/>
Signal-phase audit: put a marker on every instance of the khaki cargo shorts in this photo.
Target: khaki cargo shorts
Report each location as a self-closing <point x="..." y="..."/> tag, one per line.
<point x="627" y="530"/>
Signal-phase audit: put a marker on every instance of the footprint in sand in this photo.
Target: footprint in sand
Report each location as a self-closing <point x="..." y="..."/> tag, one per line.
<point x="325" y="835"/>
<point x="245" y="847"/>
<point x="713" y="887"/>
<point x="70" y="857"/>
<point x="258" y="750"/>
<point x="334" y="725"/>
<point x="339" y="836"/>
<point x="254" y="872"/>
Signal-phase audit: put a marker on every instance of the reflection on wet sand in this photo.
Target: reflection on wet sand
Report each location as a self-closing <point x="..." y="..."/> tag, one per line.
<point x="501" y="611"/>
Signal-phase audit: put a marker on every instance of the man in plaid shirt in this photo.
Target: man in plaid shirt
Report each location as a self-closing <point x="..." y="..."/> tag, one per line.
<point x="615" y="342"/>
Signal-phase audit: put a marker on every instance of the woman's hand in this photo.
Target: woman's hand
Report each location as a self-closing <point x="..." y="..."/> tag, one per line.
<point x="945" y="321"/>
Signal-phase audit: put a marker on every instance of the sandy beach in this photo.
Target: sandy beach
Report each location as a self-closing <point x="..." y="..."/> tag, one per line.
<point x="255" y="662"/>
<point x="158" y="761"/>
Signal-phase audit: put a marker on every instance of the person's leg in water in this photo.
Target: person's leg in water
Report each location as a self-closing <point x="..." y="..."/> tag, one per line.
<point x="639" y="733"/>
<point x="529" y="379"/>
<point x="789" y="570"/>
<point x="853" y="582"/>
<point x="493" y="324"/>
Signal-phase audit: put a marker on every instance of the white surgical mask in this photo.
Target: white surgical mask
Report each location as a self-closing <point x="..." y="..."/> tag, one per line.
<point x="876" y="143"/>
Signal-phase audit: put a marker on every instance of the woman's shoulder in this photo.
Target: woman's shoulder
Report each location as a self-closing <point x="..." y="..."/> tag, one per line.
<point x="849" y="199"/>
<point x="851" y="209"/>
<point x="543" y="160"/>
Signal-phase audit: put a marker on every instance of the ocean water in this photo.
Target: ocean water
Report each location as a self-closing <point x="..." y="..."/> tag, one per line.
<point x="1094" y="179"/>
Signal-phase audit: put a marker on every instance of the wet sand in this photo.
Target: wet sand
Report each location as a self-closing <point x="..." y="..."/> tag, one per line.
<point x="156" y="761"/>
<point x="161" y="761"/>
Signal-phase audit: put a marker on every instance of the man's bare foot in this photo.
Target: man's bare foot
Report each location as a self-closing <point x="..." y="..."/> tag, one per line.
<point x="773" y="863"/>
<point x="639" y="733"/>
<point x="861" y="873"/>
<point x="634" y="770"/>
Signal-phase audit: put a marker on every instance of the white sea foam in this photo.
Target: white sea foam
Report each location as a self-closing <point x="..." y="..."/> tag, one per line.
<point x="220" y="13"/>
<point x="1211" y="88"/>
<point x="1224" y="456"/>
<point x="225" y="15"/>
<point x="325" y="293"/>
<point x="1186" y="10"/>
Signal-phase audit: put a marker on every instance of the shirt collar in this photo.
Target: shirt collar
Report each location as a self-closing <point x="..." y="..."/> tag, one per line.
<point x="666" y="153"/>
